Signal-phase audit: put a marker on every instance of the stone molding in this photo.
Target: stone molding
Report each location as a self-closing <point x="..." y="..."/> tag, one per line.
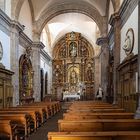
<point x="38" y="45"/>
<point x="102" y="40"/>
<point x="124" y="12"/>
<point x="46" y="56"/>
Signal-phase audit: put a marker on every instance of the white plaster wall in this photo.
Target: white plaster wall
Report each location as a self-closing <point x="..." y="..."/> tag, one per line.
<point x="25" y="19"/>
<point x="5" y="40"/>
<point x="46" y="66"/>
<point x="132" y="22"/>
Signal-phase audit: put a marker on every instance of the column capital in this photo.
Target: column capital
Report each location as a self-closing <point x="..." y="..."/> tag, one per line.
<point x="101" y="41"/>
<point x="38" y="45"/>
<point x="16" y="25"/>
<point x="114" y="17"/>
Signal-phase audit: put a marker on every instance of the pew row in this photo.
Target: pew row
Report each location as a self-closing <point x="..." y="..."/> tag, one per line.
<point x="7" y="129"/>
<point x="119" y="135"/>
<point x="21" y="120"/>
<point x="115" y="110"/>
<point x="99" y="125"/>
<point x="80" y="116"/>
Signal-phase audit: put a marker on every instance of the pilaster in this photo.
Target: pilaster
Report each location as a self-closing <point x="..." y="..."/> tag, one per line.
<point x="104" y="56"/>
<point x="115" y="23"/>
<point x="36" y="52"/>
<point x="16" y="29"/>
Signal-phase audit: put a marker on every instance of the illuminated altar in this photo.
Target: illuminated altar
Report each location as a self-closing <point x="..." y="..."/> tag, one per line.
<point x="73" y="64"/>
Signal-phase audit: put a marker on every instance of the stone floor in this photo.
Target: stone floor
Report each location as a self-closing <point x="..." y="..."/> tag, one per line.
<point x="50" y="126"/>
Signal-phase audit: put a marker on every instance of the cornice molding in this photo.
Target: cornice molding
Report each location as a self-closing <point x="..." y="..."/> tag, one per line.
<point x="46" y="56"/>
<point x="24" y="40"/>
<point x="7" y="23"/>
<point x="124" y="12"/>
<point x="17" y="25"/>
<point x="38" y="45"/>
<point x="114" y="17"/>
<point x="102" y="40"/>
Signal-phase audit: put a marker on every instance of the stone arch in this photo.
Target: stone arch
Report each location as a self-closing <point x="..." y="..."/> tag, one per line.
<point x="68" y="7"/>
<point x="16" y="9"/>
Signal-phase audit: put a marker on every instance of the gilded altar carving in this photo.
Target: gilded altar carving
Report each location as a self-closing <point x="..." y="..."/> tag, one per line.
<point x="73" y="63"/>
<point x="25" y="76"/>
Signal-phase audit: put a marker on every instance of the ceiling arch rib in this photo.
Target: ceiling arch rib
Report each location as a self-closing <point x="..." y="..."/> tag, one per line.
<point x="76" y="7"/>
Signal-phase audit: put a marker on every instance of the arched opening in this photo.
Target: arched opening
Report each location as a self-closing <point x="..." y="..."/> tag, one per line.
<point x="25" y="79"/>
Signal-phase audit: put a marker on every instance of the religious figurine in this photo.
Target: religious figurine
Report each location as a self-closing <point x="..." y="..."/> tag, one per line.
<point x="89" y="74"/>
<point x="129" y="41"/>
<point x="57" y="73"/>
<point x="73" y="49"/>
<point x="73" y="77"/>
<point x="127" y="45"/>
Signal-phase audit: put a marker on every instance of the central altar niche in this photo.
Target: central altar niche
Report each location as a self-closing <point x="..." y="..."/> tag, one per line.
<point x="73" y="78"/>
<point x="73" y="64"/>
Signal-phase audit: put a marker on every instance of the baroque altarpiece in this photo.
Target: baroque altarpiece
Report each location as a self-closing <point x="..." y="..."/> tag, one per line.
<point x="73" y="65"/>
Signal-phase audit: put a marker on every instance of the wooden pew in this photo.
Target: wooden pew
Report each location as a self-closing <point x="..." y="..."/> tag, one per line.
<point x="99" y="125"/>
<point x="34" y="115"/>
<point x="22" y="120"/>
<point x="124" y="135"/>
<point x="80" y="116"/>
<point x="97" y="110"/>
<point x="8" y="129"/>
<point x="41" y="111"/>
<point x="48" y="108"/>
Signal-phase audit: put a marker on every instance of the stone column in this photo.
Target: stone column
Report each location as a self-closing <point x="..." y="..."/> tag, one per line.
<point x="36" y="52"/>
<point x="115" y="23"/>
<point x="137" y="114"/>
<point x="104" y="57"/>
<point x="16" y="29"/>
<point x="97" y="73"/>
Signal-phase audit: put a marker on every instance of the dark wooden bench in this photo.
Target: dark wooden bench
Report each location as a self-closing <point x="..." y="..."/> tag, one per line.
<point x="99" y="125"/>
<point x="97" y="110"/>
<point x="124" y="135"/>
<point x="22" y="121"/>
<point x="80" y="116"/>
<point x="7" y="129"/>
<point x="35" y="116"/>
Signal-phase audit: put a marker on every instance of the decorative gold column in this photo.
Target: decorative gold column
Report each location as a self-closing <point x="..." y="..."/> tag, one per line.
<point x="104" y="58"/>
<point x="115" y="23"/>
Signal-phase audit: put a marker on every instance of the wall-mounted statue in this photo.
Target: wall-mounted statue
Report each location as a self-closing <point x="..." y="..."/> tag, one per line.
<point x="129" y="42"/>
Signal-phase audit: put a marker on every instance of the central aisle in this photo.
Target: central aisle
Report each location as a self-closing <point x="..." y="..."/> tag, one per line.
<point x="50" y="125"/>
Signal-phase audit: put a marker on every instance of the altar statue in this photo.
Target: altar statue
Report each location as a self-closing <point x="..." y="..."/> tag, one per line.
<point x="73" y="77"/>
